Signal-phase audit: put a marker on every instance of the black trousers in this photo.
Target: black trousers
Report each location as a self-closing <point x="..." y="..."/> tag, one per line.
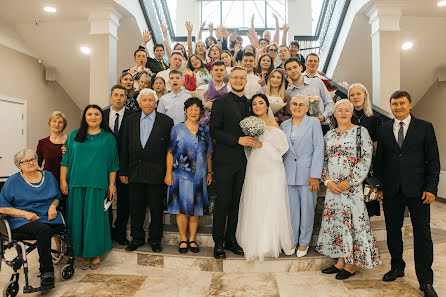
<point x="229" y="182"/>
<point x="122" y="212"/>
<point x="42" y="232"/>
<point x="394" y="208"/>
<point x="139" y="195"/>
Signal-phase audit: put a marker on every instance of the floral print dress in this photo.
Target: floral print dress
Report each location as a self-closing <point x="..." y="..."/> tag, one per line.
<point x="188" y="194"/>
<point x="345" y="230"/>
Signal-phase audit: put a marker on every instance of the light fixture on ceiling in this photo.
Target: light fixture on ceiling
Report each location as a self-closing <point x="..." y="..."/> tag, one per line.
<point x="49" y="9"/>
<point x="441" y="3"/>
<point x="407" y="46"/>
<point x="85" y="50"/>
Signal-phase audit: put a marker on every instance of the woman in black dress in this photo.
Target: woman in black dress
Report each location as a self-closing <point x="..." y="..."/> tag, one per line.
<point x="363" y="116"/>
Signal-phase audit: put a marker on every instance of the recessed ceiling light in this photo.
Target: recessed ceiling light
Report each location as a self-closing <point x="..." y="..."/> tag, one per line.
<point x="85" y="50"/>
<point x="407" y="46"/>
<point x="49" y="9"/>
<point x="441" y="3"/>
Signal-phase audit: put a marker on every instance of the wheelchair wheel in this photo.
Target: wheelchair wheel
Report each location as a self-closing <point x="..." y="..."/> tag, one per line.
<point x="66" y="272"/>
<point x="11" y="289"/>
<point x="57" y="245"/>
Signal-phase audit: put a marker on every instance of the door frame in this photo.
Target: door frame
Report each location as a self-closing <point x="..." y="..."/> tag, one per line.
<point x="25" y="105"/>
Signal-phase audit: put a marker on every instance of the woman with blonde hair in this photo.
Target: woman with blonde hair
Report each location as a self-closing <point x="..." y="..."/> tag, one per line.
<point x="363" y="116"/>
<point x="275" y="91"/>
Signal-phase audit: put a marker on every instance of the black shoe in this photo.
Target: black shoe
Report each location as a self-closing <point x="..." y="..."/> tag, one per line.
<point x="193" y="249"/>
<point x="331" y="270"/>
<point x="123" y="241"/>
<point x="344" y="274"/>
<point x="47" y="279"/>
<point x="156" y="247"/>
<point x="181" y="249"/>
<point x="219" y="252"/>
<point x="234" y="248"/>
<point x="428" y="290"/>
<point x="392" y="275"/>
<point x="133" y="246"/>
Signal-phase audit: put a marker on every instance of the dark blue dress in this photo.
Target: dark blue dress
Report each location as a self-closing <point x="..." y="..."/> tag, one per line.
<point x="188" y="194"/>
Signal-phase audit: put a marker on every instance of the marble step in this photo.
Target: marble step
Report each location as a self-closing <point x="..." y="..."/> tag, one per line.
<point x="204" y="233"/>
<point x="169" y="258"/>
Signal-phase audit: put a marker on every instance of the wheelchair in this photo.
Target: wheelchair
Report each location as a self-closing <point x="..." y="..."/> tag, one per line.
<point x="25" y="245"/>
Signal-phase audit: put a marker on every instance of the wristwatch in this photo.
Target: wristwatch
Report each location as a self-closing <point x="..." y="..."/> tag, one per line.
<point x="112" y="184"/>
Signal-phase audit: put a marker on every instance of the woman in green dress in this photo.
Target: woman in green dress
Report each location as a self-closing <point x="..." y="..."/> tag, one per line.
<point x="87" y="174"/>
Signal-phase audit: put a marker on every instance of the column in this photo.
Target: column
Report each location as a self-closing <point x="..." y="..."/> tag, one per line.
<point x="386" y="45"/>
<point x="103" y="58"/>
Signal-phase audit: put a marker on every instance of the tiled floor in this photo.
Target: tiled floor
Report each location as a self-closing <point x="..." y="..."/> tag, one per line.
<point x="116" y="277"/>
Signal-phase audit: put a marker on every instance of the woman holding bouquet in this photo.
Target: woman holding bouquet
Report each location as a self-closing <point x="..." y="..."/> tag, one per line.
<point x="275" y="91"/>
<point x="264" y="226"/>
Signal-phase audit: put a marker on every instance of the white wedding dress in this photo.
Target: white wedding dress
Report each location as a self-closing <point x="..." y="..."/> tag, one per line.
<point x="264" y="225"/>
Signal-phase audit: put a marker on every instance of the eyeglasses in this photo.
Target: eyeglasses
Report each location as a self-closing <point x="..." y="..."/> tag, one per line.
<point x="298" y="104"/>
<point x="238" y="77"/>
<point x="28" y="162"/>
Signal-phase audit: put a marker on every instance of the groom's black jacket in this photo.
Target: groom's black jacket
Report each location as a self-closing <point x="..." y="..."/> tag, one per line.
<point x="224" y="125"/>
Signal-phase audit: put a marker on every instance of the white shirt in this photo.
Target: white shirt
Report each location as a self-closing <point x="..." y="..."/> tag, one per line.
<point x="172" y="105"/>
<point x="252" y="86"/>
<point x="396" y="126"/>
<point x="317" y="75"/>
<point x="112" y="117"/>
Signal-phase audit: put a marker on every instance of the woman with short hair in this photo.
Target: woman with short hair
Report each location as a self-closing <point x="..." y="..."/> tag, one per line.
<point x="345" y="232"/>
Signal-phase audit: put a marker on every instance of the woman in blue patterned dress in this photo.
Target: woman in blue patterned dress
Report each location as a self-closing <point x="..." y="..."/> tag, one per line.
<point x="189" y="172"/>
<point x="345" y="230"/>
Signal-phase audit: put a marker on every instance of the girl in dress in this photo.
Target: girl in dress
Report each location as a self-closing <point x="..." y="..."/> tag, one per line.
<point x="264" y="225"/>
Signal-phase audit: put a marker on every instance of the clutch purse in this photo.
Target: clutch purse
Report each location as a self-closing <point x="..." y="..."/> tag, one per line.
<point x="371" y="186"/>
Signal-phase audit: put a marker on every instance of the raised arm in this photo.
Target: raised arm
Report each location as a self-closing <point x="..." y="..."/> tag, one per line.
<point x="285" y="33"/>
<point x="189" y="28"/>
<point x="201" y="31"/>
<point x="277" y="32"/>
<point x="254" y="38"/>
<point x="166" y="40"/>
<point x="146" y="37"/>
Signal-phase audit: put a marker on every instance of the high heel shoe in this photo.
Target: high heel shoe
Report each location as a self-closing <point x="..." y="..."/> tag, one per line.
<point x="183" y="250"/>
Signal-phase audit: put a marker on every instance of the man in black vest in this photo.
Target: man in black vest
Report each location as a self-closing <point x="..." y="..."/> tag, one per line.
<point x="229" y="161"/>
<point x="115" y="116"/>
<point x="143" y="150"/>
<point x="407" y="163"/>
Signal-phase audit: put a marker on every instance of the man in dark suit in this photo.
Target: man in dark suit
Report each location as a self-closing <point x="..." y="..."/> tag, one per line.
<point x="229" y="161"/>
<point x="407" y="163"/>
<point x="115" y="116"/>
<point x="157" y="63"/>
<point x="143" y="149"/>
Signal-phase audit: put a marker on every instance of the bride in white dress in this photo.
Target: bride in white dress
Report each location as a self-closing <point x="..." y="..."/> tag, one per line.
<point x="264" y="225"/>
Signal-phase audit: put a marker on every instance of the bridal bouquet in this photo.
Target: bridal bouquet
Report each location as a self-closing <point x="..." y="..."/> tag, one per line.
<point x="252" y="126"/>
<point x="313" y="106"/>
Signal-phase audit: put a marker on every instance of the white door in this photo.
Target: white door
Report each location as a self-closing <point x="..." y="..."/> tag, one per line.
<point x="12" y="133"/>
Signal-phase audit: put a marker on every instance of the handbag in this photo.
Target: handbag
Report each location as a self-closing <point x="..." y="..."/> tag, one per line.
<point x="371" y="183"/>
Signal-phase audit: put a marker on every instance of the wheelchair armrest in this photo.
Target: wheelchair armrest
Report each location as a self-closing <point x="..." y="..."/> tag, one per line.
<point x="5" y="229"/>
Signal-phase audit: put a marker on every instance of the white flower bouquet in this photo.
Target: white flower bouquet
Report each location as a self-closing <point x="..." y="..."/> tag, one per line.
<point x="252" y="126"/>
<point x="313" y="106"/>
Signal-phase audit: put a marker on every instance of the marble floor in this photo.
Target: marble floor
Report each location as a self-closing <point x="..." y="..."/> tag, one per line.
<point x="118" y="278"/>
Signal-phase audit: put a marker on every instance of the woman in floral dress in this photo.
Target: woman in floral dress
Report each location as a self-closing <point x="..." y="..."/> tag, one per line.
<point x="345" y="230"/>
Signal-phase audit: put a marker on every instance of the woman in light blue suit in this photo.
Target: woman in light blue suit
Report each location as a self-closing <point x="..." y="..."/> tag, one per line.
<point x="303" y="166"/>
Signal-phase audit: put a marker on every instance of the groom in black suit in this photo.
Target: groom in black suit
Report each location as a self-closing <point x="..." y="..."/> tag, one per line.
<point x="229" y="161"/>
<point x="407" y="163"/>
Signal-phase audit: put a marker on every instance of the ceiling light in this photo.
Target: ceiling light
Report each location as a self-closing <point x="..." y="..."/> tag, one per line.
<point x="441" y="3"/>
<point x="85" y="50"/>
<point x="49" y="9"/>
<point x="407" y="46"/>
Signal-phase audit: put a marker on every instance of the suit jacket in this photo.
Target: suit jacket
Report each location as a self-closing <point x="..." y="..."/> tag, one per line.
<point x="224" y="127"/>
<point x="106" y="116"/>
<point x="153" y="64"/>
<point x="305" y="158"/>
<point x="415" y="167"/>
<point x="144" y="164"/>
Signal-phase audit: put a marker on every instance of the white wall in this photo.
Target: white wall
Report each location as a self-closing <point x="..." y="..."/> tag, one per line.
<point x="24" y="78"/>
<point x="299" y="18"/>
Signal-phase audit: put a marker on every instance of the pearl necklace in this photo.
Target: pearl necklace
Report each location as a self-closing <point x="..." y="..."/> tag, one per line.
<point x="35" y="186"/>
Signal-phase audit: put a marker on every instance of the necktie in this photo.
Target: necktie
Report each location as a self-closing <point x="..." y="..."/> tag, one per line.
<point x="401" y="135"/>
<point x="116" y="127"/>
<point x="161" y="65"/>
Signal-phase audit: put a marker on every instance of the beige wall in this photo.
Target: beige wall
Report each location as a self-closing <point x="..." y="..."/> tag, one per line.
<point x="22" y="77"/>
<point x="431" y="107"/>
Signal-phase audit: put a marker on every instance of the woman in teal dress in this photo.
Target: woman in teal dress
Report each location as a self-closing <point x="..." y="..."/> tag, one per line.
<point x="189" y="172"/>
<point x="87" y="175"/>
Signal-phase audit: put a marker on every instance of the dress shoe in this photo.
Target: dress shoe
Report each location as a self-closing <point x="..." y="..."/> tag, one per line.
<point x="133" y="246"/>
<point x="182" y="250"/>
<point x="392" y="275"/>
<point x="219" y="252"/>
<point x="194" y="249"/>
<point x="428" y="290"/>
<point x="301" y="254"/>
<point x="331" y="270"/>
<point x="234" y="248"/>
<point x="123" y="241"/>
<point x="344" y="274"/>
<point x="46" y="279"/>
<point x="156" y="247"/>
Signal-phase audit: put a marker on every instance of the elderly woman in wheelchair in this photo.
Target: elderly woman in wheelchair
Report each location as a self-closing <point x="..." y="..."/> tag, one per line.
<point x="29" y="199"/>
